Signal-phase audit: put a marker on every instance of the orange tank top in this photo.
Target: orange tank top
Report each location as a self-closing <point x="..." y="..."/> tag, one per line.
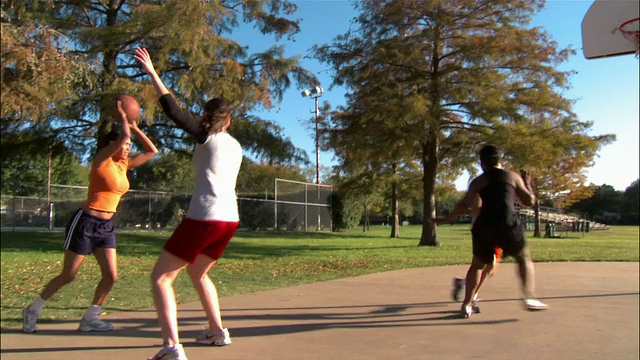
<point x="107" y="183"/>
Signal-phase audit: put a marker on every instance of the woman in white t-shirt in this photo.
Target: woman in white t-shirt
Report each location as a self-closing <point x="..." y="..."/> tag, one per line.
<point x="211" y="220"/>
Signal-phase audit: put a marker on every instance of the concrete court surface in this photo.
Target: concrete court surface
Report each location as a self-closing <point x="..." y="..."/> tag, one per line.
<point x="404" y="314"/>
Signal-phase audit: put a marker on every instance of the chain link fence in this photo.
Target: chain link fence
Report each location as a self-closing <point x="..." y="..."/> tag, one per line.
<point x="288" y="206"/>
<point x="302" y="206"/>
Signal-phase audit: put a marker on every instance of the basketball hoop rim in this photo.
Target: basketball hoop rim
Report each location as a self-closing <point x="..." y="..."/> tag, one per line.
<point x="629" y="32"/>
<point x="632" y="35"/>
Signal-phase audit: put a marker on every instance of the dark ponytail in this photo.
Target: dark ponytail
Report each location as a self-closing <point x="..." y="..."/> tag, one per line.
<point x="216" y="113"/>
<point x="106" y="139"/>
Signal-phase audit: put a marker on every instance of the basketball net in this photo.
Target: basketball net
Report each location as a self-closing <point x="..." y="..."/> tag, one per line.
<point x="629" y="30"/>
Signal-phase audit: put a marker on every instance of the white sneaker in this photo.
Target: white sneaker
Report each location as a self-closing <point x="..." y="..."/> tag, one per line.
<point x="94" y="325"/>
<point x="29" y="320"/>
<point x="170" y="353"/>
<point x="533" y="305"/>
<point x="475" y="307"/>
<point x="466" y="311"/>
<point x="220" y="338"/>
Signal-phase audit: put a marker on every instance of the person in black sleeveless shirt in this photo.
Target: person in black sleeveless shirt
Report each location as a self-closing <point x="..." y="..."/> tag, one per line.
<point x="497" y="225"/>
<point x="487" y="272"/>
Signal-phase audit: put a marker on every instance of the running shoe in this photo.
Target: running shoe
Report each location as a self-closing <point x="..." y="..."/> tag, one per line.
<point x="218" y="338"/>
<point x="475" y="307"/>
<point x="466" y="311"/>
<point x="29" y="320"/>
<point x="458" y="285"/>
<point x="534" y="304"/>
<point x="170" y="353"/>
<point x="94" y="325"/>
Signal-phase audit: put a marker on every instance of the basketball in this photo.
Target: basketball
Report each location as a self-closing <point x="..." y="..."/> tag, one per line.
<point x="130" y="106"/>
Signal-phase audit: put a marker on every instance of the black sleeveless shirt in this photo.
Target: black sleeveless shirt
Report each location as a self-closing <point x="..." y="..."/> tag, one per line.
<point x="498" y="197"/>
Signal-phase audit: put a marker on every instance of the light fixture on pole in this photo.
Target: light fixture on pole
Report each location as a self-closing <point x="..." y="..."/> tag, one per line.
<point x="315" y="93"/>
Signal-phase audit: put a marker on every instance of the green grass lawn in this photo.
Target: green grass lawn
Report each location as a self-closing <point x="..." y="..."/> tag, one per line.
<point x="257" y="261"/>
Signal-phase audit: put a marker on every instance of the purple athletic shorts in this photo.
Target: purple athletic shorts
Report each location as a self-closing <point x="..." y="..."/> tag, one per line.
<point x="86" y="232"/>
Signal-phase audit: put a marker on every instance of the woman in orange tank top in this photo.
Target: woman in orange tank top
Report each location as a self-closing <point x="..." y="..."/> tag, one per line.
<point x="90" y="229"/>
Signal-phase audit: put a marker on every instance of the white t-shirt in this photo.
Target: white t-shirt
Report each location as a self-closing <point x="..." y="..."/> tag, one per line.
<point x="216" y="164"/>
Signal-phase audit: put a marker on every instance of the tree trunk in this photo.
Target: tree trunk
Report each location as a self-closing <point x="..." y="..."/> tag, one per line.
<point x="49" y="208"/>
<point x="430" y="162"/>
<point x="365" y="226"/>
<point x="395" y="227"/>
<point x="107" y="79"/>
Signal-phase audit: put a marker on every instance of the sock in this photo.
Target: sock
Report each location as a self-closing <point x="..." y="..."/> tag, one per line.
<point x="37" y="304"/>
<point x="92" y="312"/>
<point x="475" y="297"/>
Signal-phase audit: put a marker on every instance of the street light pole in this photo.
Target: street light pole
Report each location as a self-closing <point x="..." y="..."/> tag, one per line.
<point x="315" y="93"/>
<point x="317" y="142"/>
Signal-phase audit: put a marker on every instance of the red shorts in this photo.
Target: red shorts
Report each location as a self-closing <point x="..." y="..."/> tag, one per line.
<point x="194" y="237"/>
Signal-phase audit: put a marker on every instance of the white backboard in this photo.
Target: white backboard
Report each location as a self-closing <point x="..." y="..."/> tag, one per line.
<point x="601" y="36"/>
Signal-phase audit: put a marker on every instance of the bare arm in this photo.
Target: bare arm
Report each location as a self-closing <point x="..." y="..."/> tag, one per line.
<point x="150" y="150"/>
<point x="183" y="119"/>
<point x="523" y="188"/>
<point x="142" y="55"/>
<point x="465" y="203"/>
<point x="476" y="206"/>
<point x="113" y="147"/>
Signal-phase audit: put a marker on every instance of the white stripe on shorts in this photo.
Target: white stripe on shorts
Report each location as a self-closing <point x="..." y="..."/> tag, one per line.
<point x="74" y="222"/>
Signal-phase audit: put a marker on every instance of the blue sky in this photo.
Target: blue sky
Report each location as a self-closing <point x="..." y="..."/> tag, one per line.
<point x="605" y="90"/>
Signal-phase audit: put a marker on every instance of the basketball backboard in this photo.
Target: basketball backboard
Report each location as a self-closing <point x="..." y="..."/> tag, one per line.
<point x="610" y="28"/>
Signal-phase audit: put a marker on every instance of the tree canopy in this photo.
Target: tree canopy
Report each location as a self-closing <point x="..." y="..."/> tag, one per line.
<point x="430" y="81"/>
<point x="630" y="207"/>
<point x="64" y="62"/>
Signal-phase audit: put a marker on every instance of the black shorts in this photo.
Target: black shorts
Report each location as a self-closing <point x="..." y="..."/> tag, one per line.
<point x="486" y="238"/>
<point x="86" y="232"/>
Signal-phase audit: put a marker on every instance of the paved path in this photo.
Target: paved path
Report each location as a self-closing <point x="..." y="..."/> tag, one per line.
<point x="403" y="314"/>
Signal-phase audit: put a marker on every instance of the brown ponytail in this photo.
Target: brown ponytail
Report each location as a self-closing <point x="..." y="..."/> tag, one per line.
<point x="216" y="113"/>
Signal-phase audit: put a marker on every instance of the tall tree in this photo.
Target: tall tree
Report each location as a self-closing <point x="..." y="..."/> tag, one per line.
<point x="368" y="145"/>
<point x="192" y="45"/>
<point x="604" y="199"/>
<point x="257" y="178"/>
<point x="630" y="206"/>
<point x="464" y="70"/>
<point x="364" y="186"/>
<point x="447" y="196"/>
<point x="38" y="68"/>
<point x="169" y="171"/>
<point x="24" y="161"/>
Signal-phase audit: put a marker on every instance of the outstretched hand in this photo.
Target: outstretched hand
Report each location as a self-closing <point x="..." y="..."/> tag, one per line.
<point x="143" y="57"/>
<point x="123" y="115"/>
